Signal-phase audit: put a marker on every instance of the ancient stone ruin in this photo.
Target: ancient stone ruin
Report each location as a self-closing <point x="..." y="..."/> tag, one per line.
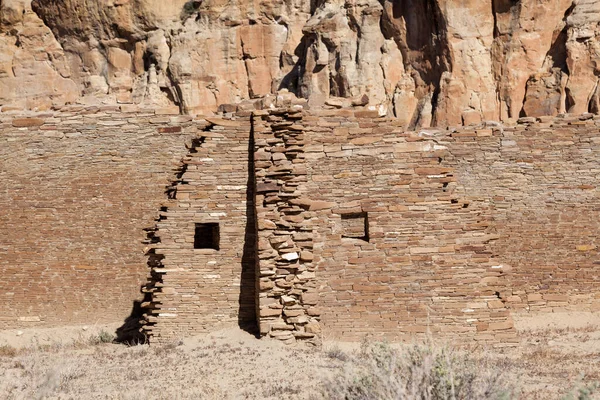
<point x="301" y="169"/>
<point x="304" y="223"/>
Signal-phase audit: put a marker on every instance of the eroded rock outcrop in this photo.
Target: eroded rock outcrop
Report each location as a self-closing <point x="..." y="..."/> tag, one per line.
<point x="34" y="72"/>
<point x="426" y="62"/>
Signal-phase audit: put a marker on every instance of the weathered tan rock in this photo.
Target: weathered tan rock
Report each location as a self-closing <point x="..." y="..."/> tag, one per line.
<point x="528" y="42"/>
<point x="426" y="63"/>
<point x="583" y="55"/>
<point x="34" y="71"/>
<point x="545" y="94"/>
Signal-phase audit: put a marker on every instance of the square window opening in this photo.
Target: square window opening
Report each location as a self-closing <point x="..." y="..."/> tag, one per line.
<point x="206" y="236"/>
<point x="355" y="226"/>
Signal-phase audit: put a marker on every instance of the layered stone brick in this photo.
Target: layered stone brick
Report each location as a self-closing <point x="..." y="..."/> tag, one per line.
<point x="286" y="275"/>
<point x="78" y="186"/>
<point x="331" y="222"/>
<point x="197" y="283"/>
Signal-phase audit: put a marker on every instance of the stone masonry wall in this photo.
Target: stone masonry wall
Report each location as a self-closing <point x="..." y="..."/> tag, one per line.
<point x="399" y="251"/>
<point x="78" y="186"/>
<point x="328" y="223"/>
<point x="441" y="232"/>
<point x="286" y="276"/>
<point x="541" y="179"/>
<point x="463" y="225"/>
<point x="202" y="289"/>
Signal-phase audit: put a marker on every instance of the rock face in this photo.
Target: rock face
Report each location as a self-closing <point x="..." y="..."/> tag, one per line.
<point x="426" y="62"/>
<point x="34" y="71"/>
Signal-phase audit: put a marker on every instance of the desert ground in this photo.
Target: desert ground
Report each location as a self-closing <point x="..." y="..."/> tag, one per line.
<point x="558" y="358"/>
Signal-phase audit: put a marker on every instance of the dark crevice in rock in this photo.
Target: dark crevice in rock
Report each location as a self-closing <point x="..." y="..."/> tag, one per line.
<point x="425" y="45"/>
<point x="494" y="14"/>
<point x="504" y="6"/>
<point x="493" y="51"/>
<point x="445" y="60"/>
<point x="245" y="58"/>
<point x="420" y="32"/>
<point x="391" y="31"/>
<point x="314" y="4"/>
<point x="523" y="113"/>
<point x="502" y="49"/>
<point x="189" y="9"/>
<point x="291" y="80"/>
<point x="594" y="103"/>
<point x="558" y="49"/>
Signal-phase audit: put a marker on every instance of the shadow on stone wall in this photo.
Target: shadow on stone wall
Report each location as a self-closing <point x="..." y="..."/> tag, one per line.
<point x="248" y="299"/>
<point x="131" y="331"/>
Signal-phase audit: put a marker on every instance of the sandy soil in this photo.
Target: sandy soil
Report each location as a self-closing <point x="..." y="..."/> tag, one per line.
<point x="557" y="353"/>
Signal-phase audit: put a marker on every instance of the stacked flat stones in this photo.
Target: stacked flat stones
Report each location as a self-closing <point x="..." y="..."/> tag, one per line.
<point x="287" y="285"/>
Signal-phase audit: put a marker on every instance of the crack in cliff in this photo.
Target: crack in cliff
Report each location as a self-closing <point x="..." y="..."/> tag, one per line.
<point x="445" y="64"/>
<point x="419" y="30"/>
<point x="245" y="57"/>
<point x="502" y="50"/>
<point x="493" y="48"/>
<point x="558" y="53"/>
<point x="386" y="28"/>
<point x="556" y="60"/>
<point x="558" y="48"/>
<point x="355" y="27"/>
<point x="495" y="33"/>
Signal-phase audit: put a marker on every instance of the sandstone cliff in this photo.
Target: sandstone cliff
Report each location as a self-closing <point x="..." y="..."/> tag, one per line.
<point x="426" y="62"/>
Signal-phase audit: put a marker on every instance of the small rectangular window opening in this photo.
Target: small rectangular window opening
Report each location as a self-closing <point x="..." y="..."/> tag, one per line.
<point x="206" y="236"/>
<point x="355" y="226"/>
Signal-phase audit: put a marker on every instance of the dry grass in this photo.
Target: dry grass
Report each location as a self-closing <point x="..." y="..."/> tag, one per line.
<point x="418" y="372"/>
<point x="550" y="364"/>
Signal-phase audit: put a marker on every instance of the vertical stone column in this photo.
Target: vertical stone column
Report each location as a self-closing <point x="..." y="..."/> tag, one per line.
<point x="286" y="281"/>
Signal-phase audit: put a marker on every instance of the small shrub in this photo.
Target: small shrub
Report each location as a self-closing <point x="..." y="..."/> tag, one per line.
<point x="426" y="372"/>
<point x="337" y="354"/>
<point x="583" y="391"/>
<point x="106" y="337"/>
<point x="102" y="337"/>
<point x="8" y="351"/>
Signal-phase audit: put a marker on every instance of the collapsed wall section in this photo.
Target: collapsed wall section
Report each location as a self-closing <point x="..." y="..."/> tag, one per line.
<point x="79" y="185"/>
<point x="203" y="269"/>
